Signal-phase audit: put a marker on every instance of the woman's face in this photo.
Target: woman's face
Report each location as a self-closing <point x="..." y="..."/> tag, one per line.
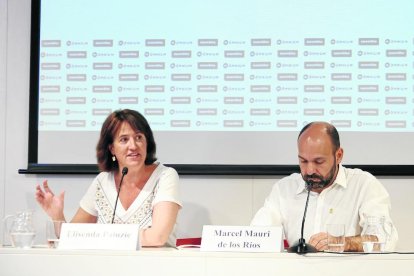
<point x="129" y="147"/>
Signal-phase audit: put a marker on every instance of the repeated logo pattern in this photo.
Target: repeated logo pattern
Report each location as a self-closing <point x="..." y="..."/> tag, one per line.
<point x="252" y="84"/>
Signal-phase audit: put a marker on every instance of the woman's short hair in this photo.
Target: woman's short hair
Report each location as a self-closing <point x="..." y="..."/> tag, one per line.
<point x="108" y="131"/>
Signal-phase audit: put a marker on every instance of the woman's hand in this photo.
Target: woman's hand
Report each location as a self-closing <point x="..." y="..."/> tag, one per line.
<point x="51" y="204"/>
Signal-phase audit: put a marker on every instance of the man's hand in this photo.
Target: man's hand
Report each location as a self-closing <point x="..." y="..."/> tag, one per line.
<point x="319" y="241"/>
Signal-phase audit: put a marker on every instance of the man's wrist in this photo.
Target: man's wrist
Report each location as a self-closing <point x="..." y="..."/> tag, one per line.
<point x="353" y="244"/>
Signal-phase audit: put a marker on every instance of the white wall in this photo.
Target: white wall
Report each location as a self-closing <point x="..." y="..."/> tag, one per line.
<point x="3" y="52"/>
<point x="230" y="200"/>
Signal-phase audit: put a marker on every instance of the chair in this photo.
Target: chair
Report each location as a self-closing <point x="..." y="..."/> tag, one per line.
<point x="188" y="242"/>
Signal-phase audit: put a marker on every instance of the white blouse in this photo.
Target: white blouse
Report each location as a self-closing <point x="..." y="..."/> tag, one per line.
<point x="100" y="198"/>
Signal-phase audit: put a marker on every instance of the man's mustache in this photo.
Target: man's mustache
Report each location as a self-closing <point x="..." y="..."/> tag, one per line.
<point x="311" y="183"/>
<point x="314" y="176"/>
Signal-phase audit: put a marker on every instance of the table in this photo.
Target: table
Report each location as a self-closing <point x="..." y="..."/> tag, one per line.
<point x="170" y="261"/>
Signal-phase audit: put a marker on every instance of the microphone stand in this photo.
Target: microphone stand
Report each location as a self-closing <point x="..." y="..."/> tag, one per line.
<point x="301" y="247"/>
<point x="124" y="172"/>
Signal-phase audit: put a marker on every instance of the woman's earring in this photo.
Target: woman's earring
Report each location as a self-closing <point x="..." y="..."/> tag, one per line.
<point x="113" y="158"/>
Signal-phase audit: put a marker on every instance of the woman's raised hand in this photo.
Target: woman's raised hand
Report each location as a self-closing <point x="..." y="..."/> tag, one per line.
<point x="51" y="204"/>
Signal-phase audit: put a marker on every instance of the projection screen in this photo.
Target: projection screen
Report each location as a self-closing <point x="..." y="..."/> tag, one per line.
<point x="224" y="84"/>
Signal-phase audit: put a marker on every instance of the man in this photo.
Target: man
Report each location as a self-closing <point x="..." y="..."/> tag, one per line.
<point x="338" y="195"/>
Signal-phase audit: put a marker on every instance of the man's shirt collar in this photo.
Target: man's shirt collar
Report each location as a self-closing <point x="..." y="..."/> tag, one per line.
<point x="339" y="180"/>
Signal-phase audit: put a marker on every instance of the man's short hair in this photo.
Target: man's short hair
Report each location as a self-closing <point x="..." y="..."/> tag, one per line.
<point x="331" y="131"/>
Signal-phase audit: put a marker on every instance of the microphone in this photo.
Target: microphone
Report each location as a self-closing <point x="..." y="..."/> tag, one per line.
<point x="301" y="247"/>
<point x="124" y="172"/>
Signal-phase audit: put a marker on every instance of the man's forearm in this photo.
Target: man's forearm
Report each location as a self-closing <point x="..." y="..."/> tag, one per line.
<point x="353" y="244"/>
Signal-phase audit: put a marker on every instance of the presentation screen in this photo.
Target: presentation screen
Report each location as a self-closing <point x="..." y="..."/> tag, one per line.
<point x="224" y="82"/>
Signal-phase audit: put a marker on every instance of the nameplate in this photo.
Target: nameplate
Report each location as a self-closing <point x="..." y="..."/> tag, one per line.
<point x="99" y="236"/>
<point x="241" y="238"/>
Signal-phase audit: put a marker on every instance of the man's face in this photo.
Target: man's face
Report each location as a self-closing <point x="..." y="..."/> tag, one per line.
<point x="317" y="160"/>
<point x="320" y="181"/>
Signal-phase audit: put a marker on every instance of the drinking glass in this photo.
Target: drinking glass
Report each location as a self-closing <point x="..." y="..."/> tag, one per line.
<point x="53" y="228"/>
<point x="336" y="237"/>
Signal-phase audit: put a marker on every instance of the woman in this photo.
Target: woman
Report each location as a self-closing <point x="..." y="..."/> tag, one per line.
<point x="149" y="190"/>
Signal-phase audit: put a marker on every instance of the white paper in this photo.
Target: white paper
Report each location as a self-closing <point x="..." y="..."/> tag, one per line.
<point x="241" y="238"/>
<point x="99" y="236"/>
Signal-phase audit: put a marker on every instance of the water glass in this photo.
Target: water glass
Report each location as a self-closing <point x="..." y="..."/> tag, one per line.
<point x="336" y="237"/>
<point x="53" y="228"/>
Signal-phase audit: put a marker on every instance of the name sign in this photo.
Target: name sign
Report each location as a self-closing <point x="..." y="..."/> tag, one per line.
<point x="241" y="238"/>
<point x="99" y="236"/>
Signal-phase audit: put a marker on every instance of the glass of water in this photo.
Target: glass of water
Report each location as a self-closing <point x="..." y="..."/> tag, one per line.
<point x="336" y="237"/>
<point x="53" y="228"/>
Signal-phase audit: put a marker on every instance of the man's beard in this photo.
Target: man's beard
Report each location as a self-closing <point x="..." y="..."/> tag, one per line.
<point x="323" y="182"/>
